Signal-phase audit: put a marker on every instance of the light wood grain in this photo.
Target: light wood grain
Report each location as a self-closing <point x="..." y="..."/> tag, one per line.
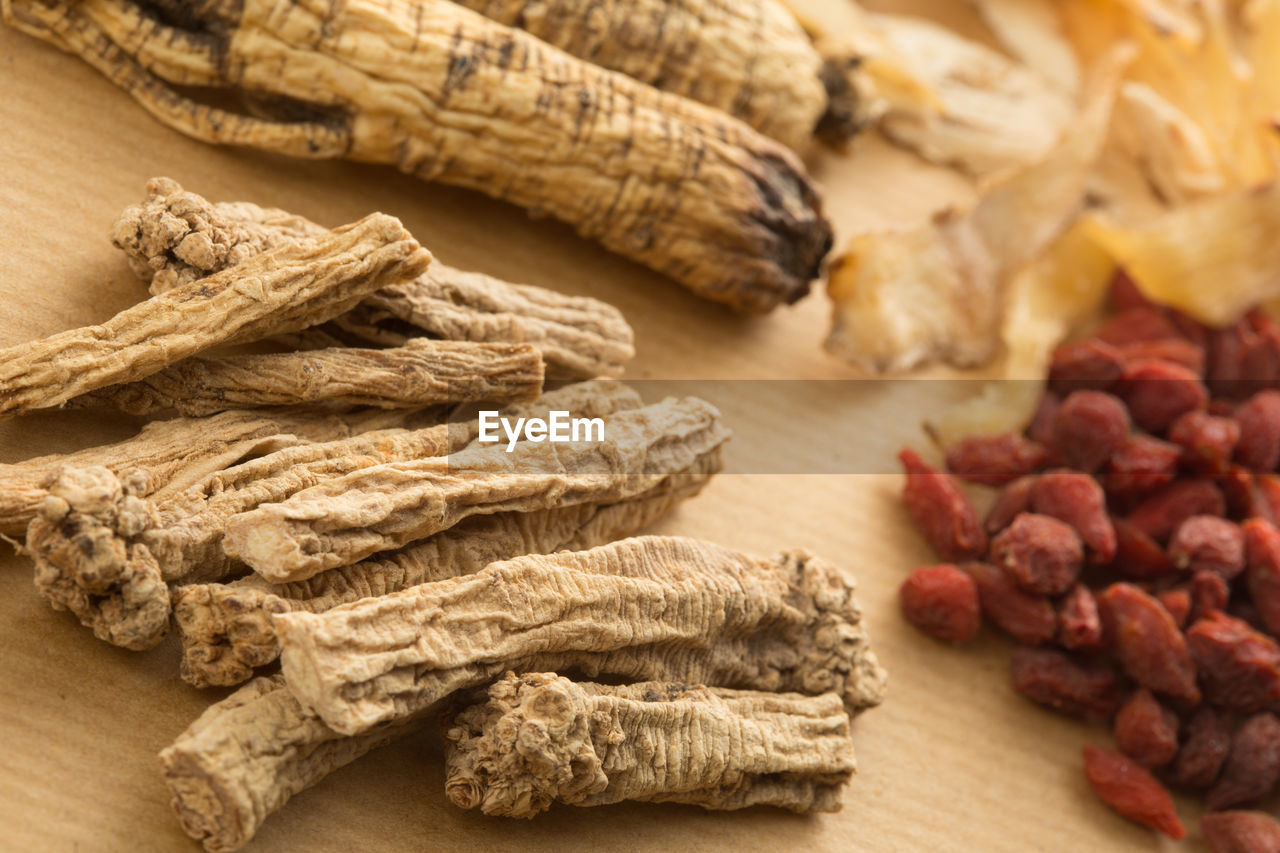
<point x="953" y="760"/>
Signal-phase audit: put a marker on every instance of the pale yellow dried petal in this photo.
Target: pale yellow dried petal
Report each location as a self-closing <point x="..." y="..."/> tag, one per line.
<point x="1213" y="259"/>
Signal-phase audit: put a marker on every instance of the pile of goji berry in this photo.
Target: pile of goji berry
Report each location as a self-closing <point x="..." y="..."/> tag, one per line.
<point x="1133" y="553"/>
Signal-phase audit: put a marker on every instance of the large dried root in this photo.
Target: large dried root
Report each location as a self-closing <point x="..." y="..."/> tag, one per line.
<point x="245" y="756"/>
<point x="421" y="373"/>
<point x="177" y="236"/>
<point x="388" y="506"/>
<point x="226" y="628"/>
<point x="175" y="454"/>
<point x="283" y="290"/>
<point x="540" y="738"/>
<point x="446" y="94"/>
<point x="749" y="58"/>
<point x="653" y="608"/>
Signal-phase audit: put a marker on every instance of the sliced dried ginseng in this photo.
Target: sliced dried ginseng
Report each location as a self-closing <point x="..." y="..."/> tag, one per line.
<point x="647" y="608"/>
<point x="446" y="94"/>
<point x="388" y="506"/>
<point x="536" y="739"/>
<point x="245" y="756"/>
<point x="107" y="555"/>
<point x="173" y="454"/>
<point x="420" y="373"/>
<point x="938" y="292"/>
<point x="177" y="236"/>
<point x="749" y="58"/>
<point x="283" y="290"/>
<point x="226" y="628"/>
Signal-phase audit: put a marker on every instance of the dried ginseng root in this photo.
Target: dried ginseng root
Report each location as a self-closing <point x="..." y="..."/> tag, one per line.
<point x="283" y="290"/>
<point x="749" y="58"/>
<point x="147" y="545"/>
<point x="540" y="738"/>
<point x="655" y="608"/>
<point x="177" y="236"/>
<point x="388" y="506"/>
<point x="226" y="628"/>
<point x="245" y="756"/>
<point x="420" y="373"/>
<point x="446" y="94"/>
<point x="174" y="454"/>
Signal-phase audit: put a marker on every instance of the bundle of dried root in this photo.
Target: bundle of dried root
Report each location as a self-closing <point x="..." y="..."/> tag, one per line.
<point x="530" y="740"/>
<point x="447" y="94"/>
<point x="648" y="608"/>
<point x="226" y="629"/>
<point x="176" y="236"/>
<point x="286" y="289"/>
<point x="108" y="554"/>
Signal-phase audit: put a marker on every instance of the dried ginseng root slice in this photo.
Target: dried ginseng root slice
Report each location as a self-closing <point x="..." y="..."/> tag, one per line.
<point x="749" y="58"/>
<point x="181" y="537"/>
<point x="420" y="373"/>
<point x="177" y="236"/>
<point x="174" y="454"/>
<point x="283" y="290"/>
<point x="532" y="740"/>
<point x="647" y="608"/>
<point x="663" y="180"/>
<point x="226" y="628"/>
<point x="388" y="506"/>
<point x="244" y="757"/>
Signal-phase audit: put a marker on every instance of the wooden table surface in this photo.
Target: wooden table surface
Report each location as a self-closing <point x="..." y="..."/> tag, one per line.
<point x="954" y="759"/>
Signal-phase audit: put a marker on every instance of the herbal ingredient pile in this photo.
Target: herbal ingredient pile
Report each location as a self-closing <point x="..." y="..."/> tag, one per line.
<point x="324" y="500"/>
<point x="1132" y="551"/>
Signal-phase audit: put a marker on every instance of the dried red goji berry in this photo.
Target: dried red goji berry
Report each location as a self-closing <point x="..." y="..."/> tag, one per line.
<point x="1259" y="418"/>
<point x="1146" y="731"/>
<point x="1264" y="495"/>
<point x="1227" y="372"/>
<point x="1040" y="430"/>
<point x="1240" y="832"/>
<point x="942" y="601"/>
<point x="1262" y="354"/>
<point x="1239" y="667"/>
<point x="1124" y="294"/>
<point x="1138" y="556"/>
<point x="996" y="459"/>
<point x="1147" y="642"/>
<point x="943" y="513"/>
<point x="1140" y="464"/>
<point x="1209" y="593"/>
<point x="1206" y="543"/>
<point x="1085" y="364"/>
<point x="1158" y="393"/>
<point x="1079" y="626"/>
<point x="1262" y="549"/>
<point x="1137" y="324"/>
<point x="1078" y="500"/>
<point x="1178" y="602"/>
<point x="1013" y="500"/>
<point x="1090" y="424"/>
<point x="1056" y="681"/>
<point x="1041" y="554"/>
<point x="1165" y="511"/>
<point x="1204" y="751"/>
<point x="1173" y="350"/>
<point x="1208" y="441"/>
<point x="1132" y="791"/>
<point x="1253" y="765"/>
<point x="1028" y="618"/>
